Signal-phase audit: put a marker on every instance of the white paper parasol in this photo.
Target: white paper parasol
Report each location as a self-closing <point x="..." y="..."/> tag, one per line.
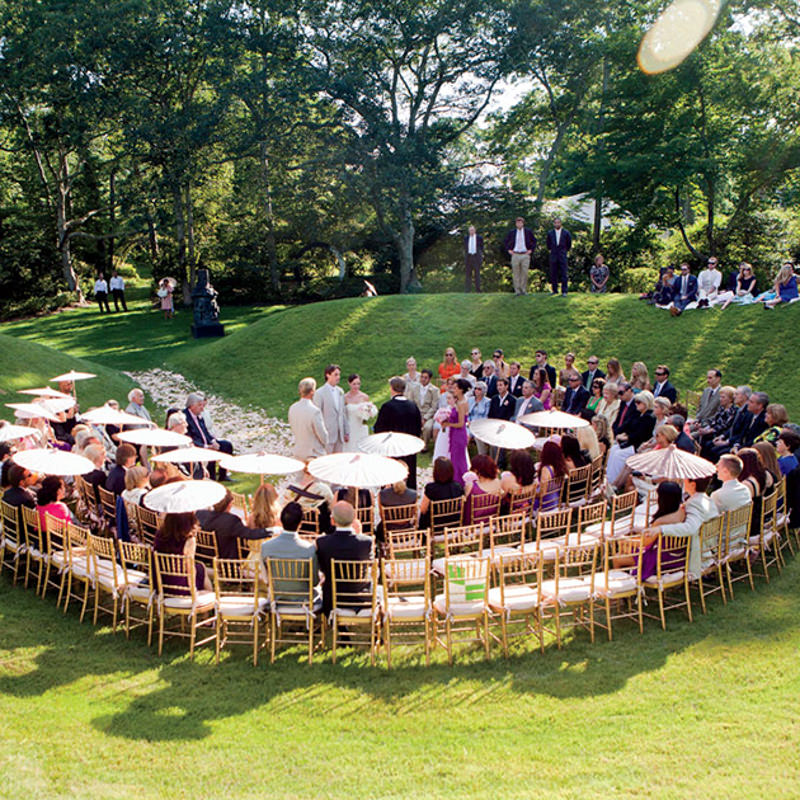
<point x="9" y="433"/>
<point x="189" y="455"/>
<point x="106" y="415"/>
<point x="57" y="405"/>
<point x="672" y="463"/>
<point x="553" y="419"/>
<point x="154" y="437"/>
<point x="45" y="391"/>
<point x="262" y="464"/>
<point x="53" y="462"/>
<point x="32" y="411"/>
<point x="181" y="497"/>
<point x="500" y="433"/>
<point x="72" y="375"/>
<point x="391" y="444"/>
<point x="359" y="470"/>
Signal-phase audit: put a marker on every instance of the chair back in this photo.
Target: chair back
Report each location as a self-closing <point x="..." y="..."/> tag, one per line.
<point x="398" y="518"/>
<point x="463" y="539"/>
<point x="407" y="543"/>
<point x="108" y="504"/>
<point x="466" y="580"/>
<point x="135" y="559"/>
<point x="290" y="582"/>
<point x="77" y="538"/>
<point x="576" y="491"/>
<point x="89" y="497"/>
<point x="550" y="493"/>
<point x="206" y="547"/>
<point x="622" y="510"/>
<point x="309" y="525"/>
<point x="507" y="531"/>
<point x="175" y="576"/>
<point x="103" y="554"/>
<point x="446" y="514"/>
<point x="737" y="531"/>
<point x="35" y="538"/>
<point x="132" y="510"/>
<point x="550" y="524"/>
<point x="596" y="480"/>
<point x="577" y="561"/>
<point x="12" y="525"/>
<point x="522" y="501"/>
<point x="234" y="578"/>
<point x="149" y="523"/>
<point x="711" y="542"/>
<point x="366" y="516"/>
<point x="673" y="555"/>
<point x="591" y="514"/>
<point x="623" y="547"/>
<point x="240" y="503"/>
<point x="55" y="535"/>
<point x="769" y="513"/>
<point x="354" y="585"/>
<point x="518" y="569"/>
<point x="482" y="507"/>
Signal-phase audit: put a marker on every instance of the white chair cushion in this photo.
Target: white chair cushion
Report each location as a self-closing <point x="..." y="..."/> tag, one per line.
<point x="517" y="598"/>
<point x="411" y="607"/>
<point x="667" y="579"/>
<point x="135" y="575"/>
<point x="413" y="565"/>
<point x="140" y="593"/>
<point x="59" y="558"/>
<point x="363" y="613"/>
<point x="617" y="582"/>
<point x="239" y="605"/>
<point x="205" y="600"/>
<point x="437" y="565"/>
<point x="570" y="590"/>
<point x="11" y="544"/>
<point x="473" y="608"/>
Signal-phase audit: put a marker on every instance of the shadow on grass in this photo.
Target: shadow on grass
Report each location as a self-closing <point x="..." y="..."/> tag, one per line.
<point x="197" y="693"/>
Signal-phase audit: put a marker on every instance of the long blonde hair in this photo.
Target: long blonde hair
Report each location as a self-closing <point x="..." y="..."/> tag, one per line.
<point x="640" y="377"/>
<point x="266" y="510"/>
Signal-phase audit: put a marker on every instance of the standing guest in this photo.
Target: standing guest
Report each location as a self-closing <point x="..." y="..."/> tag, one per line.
<point x="614" y="372"/>
<point x="442" y="487"/>
<point x="542" y="390"/>
<point x="662" y="386"/>
<point x="329" y="398"/>
<point x="598" y="275"/>
<point x="136" y="405"/>
<point x="541" y="362"/>
<point x="592" y="372"/>
<point x="640" y="378"/>
<point x="358" y="409"/>
<point x="426" y="397"/>
<point x="784" y="288"/>
<point x="528" y="403"/>
<point x="227" y="527"/>
<point x="448" y="368"/>
<point x="165" y="294"/>
<point x="732" y="494"/>
<point x="124" y="459"/>
<point x="135" y="485"/>
<point x="200" y="436"/>
<point x="575" y="397"/>
<point x="50" y="500"/>
<point x="305" y="420"/>
<point x="101" y="292"/>
<point x="19" y="492"/>
<point x="401" y="415"/>
<point x="178" y="536"/>
<point x="684" y="289"/>
<point x="344" y="544"/>
<point x="466" y="373"/>
<point x="559" y="242"/>
<point x="786" y="446"/>
<point x="473" y="258"/>
<point x="708" y="283"/>
<point x="118" y="290"/>
<point x="515" y="380"/>
<point x="476" y="364"/>
<point x="479" y="405"/>
<point x="520" y="244"/>
<point x="569" y="368"/>
<point x="456" y="425"/>
<point x="412" y="375"/>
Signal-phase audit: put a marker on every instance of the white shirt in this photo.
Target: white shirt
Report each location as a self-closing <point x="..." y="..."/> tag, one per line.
<point x="558" y="236"/>
<point x="472" y="244"/>
<point x="100" y="286"/>
<point x="709" y="280"/>
<point x="117" y="283"/>
<point x="519" y="242"/>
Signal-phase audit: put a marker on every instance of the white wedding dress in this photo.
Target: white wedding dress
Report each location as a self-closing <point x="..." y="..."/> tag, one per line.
<point x="358" y="428"/>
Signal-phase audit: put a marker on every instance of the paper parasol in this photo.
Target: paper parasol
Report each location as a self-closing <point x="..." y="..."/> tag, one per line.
<point x="189" y="455"/>
<point x="262" y="464"/>
<point x="553" y="419"/>
<point x="106" y="415"/>
<point x="500" y="433"/>
<point x="672" y="463"/>
<point x="53" y="462"/>
<point x="72" y="375"/>
<point x="391" y="444"/>
<point x="32" y="411"/>
<point x="56" y="405"/>
<point x="359" y="470"/>
<point x="154" y="437"/>
<point x="45" y="391"/>
<point x="181" y="497"/>
<point x="8" y="433"/>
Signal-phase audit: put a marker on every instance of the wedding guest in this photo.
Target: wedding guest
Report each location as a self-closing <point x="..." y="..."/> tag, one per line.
<point x="449" y="367"/>
<point x="412" y="375"/>
<point x="521" y="472"/>
<point x="476" y="364"/>
<point x="708" y="283"/>
<point x="776" y="417"/>
<point x="768" y="458"/>
<point x="662" y="386"/>
<point x="542" y="389"/>
<point x="541" y="363"/>
<point x="575" y="397"/>
<point x="135" y="485"/>
<point x="528" y="403"/>
<point x="784" y="288"/>
<point x="101" y="293"/>
<point x="426" y="397"/>
<point x="305" y="420"/>
<point x="732" y="494"/>
<point x="609" y="405"/>
<point x="50" y="500"/>
<point x="559" y="242"/>
<point x="136" y="405"/>
<point x="490" y="379"/>
<point x="165" y="292"/>
<point x="479" y="405"/>
<point x="228" y="528"/>
<point x="398" y="494"/>
<point x="664" y="290"/>
<point x="550" y="467"/>
<point x="595" y="396"/>
<point x="97" y="477"/>
<point x="520" y="244"/>
<point x="603" y="432"/>
<point x="482" y="478"/>
<point x="117" y="286"/>
<point x="569" y="368"/>
<point x="614" y="372"/>
<point x="592" y="372"/>
<point x="124" y="459"/>
<point x="177" y="535"/>
<point x="640" y="378"/>
<point x="574" y="457"/>
<point x="19" y="492"/>
<point x="473" y="258"/>
<point x="744" y="290"/>
<point x="684" y="289"/>
<point x="201" y="436"/>
<point x="501" y="368"/>
<point x="786" y="446"/>
<point x="311" y="493"/>
<point x="442" y="487"/>
<point x="466" y="373"/>
<point x="266" y="508"/>
<point x="598" y="275"/>
<point x="587" y="438"/>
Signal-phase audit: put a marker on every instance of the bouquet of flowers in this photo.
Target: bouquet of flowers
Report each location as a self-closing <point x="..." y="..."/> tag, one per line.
<point x="442" y="414"/>
<point x="366" y="411"/>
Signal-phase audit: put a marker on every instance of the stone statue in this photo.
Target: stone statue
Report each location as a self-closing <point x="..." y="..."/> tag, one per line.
<point x="206" y="308"/>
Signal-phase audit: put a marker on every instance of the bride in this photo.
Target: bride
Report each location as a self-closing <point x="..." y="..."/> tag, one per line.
<point x="359" y="409"/>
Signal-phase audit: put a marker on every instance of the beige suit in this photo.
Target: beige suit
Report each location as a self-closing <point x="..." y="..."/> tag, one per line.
<point x="308" y="427"/>
<point x="330" y="400"/>
<point x="427" y="405"/>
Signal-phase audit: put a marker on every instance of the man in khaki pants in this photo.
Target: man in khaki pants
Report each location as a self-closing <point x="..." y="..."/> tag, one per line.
<point x="520" y="244"/>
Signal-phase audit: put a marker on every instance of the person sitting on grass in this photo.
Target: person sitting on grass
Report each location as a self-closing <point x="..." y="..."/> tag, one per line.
<point x="784" y="289"/>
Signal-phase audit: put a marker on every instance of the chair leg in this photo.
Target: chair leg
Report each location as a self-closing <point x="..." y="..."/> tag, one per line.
<point x="701" y="589"/>
<point x="504" y="631"/>
<point x="272" y="639"/>
<point x="85" y="599"/>
<point x="335" y="637"/>
<point x="192" y="634"/>
<point x="218" y="639"/>
<point x="160" y="631"/>
<point x="255" y="642"/>
<point x="387" y="642"/>
<point x="150" y="625"/>
<point x="661" y="609"/>
<point x="486" y="633"/>
<point x="688" y="600"/>
<point x="449" y="633"/>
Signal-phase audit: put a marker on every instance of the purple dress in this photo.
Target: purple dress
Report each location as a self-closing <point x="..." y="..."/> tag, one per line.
<point x="458" y="447"/>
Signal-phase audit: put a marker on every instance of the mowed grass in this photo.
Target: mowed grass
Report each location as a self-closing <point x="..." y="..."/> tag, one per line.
<point x="704" y="709"/>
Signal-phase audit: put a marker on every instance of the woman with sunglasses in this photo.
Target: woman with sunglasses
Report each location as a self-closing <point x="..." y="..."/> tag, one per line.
<point x="449" y="367"/>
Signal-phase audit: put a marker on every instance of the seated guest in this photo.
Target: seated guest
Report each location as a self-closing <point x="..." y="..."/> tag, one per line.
<point x="541" y="363"/>
<point x="664" y="291"/>
<point x="757" y="406"/>
<point x="466" y="372"/>
<point x="732" y="494"/>
<point x="757" y="482"/>
<point x="684" y="441"/>
<point x="569" y="368"/>
<point x="684" y="290"/>
<point x="592" y="373"/>
<point x="776" y="417"/>
<point x="365" y="498"/>
<point x="784" y="289"/>
<point x="476" y="364"/>
<point x="663" y="438"/>
<point x="741" y="420"/>
<point x="575" y="397"/>
<point x="708" y="282"/>
<point x="398" y="494"/>
<point x="448" y="367"/>
<point x="227" y="527"/>
<point x="490" y="379"/>
<point x="19" y="492"/>
<point x="608" y="407"/>
<point x="768" y="458"/>
<point x="199" y="433"/>
<point x="135" y="485"/>
<point x="50" y="500"/>
<point x="515" y="379"/>
<point x="482" y="478"/>
<point x="595" y="397"/>
<point x="614" y="372"/>
<point x="633" y="427"/>
<point x="125" y="458"/>
<point x="478" y="408"/>
<point x="288" y="544"/>
<point x="573" y="456"/>
<point x="602" y="431"/>
<point x="5" y="463"/>
<point x="97" y="477"/>
<point x="136" y="405"/>
<point x="343" y="544"/>
<point x="312" y="493"/>
<point x="527" y="403"/>
<point x="542" y="389"/>
<point x="743" y="289"/>
<point x="412" y="375"/>
<point x="589" y="443"/>
<point x="266" y="508"/>
<point x="521" y="472"/>
<point x="721" y="422"/>
<point x="709" y="399"/>
<point x="177" y="535"/>
<point x="662" y="386"/>
<point x="640" y="377"/>
<point x="550" y="467"/>
<point x="786" y="446"/>
<point x="442" y="487"/>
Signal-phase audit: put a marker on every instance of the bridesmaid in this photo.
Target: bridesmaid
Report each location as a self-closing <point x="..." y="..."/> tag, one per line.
<point x="457" y="426"/>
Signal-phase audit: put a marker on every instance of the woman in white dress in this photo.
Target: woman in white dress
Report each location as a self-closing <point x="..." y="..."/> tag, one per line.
<point x="442" y="445"/>
<point x="359" y="409"/>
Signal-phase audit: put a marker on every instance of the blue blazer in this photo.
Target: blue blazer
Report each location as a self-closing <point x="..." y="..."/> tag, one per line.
<point x="691" y="288"/>
<point x="558" y="252"/>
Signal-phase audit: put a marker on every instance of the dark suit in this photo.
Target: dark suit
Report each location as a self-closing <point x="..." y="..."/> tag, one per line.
<point x="115" y="482"/>
<point x="402" y="416"/>
<point x="558" y="258"/>
<point x="551" y="373"/>
<point x="734" y="435"/>
<point x="641" y="429"/>
<point x="473" y="263"/>
<point x="491" y="386"/>
<point x="196" y="428"/>
<point x="575" y="400"/>
<point x="587" y="377"/>
<point x="684" y="296"/>
<point x="227" y="528"/>
<point x="15" y="496"/>
<point x="96" y="478"/>
<point x="626" y="419"/>
<point x="756" y="427"/>
<point x="502" y="408"/>
<point x="515" y="385"/>
<point x="667" y="390"/>
<point x="685" y="442"/>
<point x="343" y="545"/>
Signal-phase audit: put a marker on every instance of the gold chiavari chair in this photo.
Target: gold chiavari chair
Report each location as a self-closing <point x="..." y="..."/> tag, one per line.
<point x="241" y="504"/>
<point x="516" y="597"/>
<point x="522" y="501"/>
<point x="407" y="605"/>
<point x="108" y="505"/>
<point x="597" y="479"/>
<point x="672" y="573"/>
<point x="13" y="539"/>
<point x="618" y="585"/>
<point x="366" y="516"/>
<point x="206" y="548"/>
<point x="590" y="521"/>
<point x="35" y="546"/>
<point x="782" y="517"/>
<point x="136" y="562"/>
<point x="239" y="607"/>
<point x="132" y="511"/>
<point x="620" y="523"/>
<point x="711" y="549"/>
<point x="736" y="538"/>
<point x="57" y="551"/>
<point x="108" y="575"/>
<point x="576" y="489"/>
<point x="398" y="518"/>
<point x="355" y="604"/>
<point x="480" y="508"/>
<point x="407" y="546"/>
<point x="445" y="514"/>
<point x="506" y="535"/>
<point x="309" y="525"/>
<point x="552" y="528"/>
<point x="79" y="570"/>
<point x="149" y="522"/>
<point x="765" y="543"/>
<point x="464" y="540"/>
<point x="549" y="495"/>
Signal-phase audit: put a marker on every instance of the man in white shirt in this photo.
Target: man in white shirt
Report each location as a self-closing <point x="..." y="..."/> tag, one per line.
<point x="117" y="286"/>
<point x="426" y="397"/>
<point x="330" y="400"/>
<point x="732" y="494"/>
<point x="520" y="244"/>
<point x="473" y="258"/>
<point x="708" y="283"/>
<point x="101" y="293"/>
<point x="308" y="427"/>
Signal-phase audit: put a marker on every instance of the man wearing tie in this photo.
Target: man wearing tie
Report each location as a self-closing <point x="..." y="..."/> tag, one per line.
<point x="589" y="375"/>
<point x="685" y="290"/>
<point x="520" y="244"/>
<point x="515" y="379"/>
<point x="200" y="436"/>
<point x="473" y="258"/>
<point x="662" y="386"/>
<point x="559" y="242"/>
<point x="527" y="404"/>
<point x="329" y="398"/>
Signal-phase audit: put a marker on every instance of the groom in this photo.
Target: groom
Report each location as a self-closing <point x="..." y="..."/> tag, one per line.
<point x="329" y="398"/>
<point x="401" y="415"/>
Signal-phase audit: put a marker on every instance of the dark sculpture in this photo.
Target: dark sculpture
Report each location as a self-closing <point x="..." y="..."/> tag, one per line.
<point x="206" y="308"/>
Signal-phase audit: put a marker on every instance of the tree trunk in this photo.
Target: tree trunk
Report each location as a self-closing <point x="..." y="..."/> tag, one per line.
<point x="112" y="216"/>
<point x="272" y="249"/>
<point x="710" y="232"/>
<point x="152" y="233"/>
<point x="551" y="157"/>
<point x="62" y="232"/>
<point x="599" y="191"/>
<point x="404" y="240"/>
<point x="180" y="231"/>
<point x="187" y="290"/>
